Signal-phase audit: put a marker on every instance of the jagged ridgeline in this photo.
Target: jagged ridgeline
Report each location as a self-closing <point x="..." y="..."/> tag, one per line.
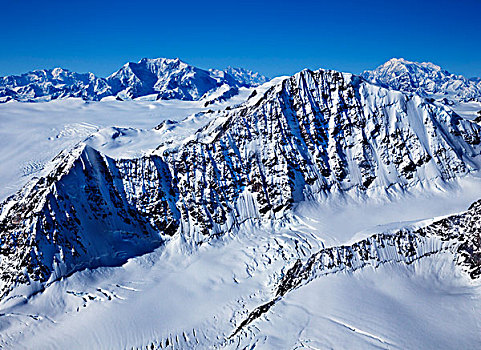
<point x="309" y="136"/>
<point x="163" y="78"/>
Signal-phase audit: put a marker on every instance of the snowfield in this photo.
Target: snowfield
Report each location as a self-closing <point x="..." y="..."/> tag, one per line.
<point x="254" y="286"/>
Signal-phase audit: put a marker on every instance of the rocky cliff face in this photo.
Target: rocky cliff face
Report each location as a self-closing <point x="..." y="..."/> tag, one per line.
<point x="75" y="217"/>
<point x="165" y="78"/>
<point x="313" y="134"/>
<point x="424" y="79"/>
<point x="459" y="234"/>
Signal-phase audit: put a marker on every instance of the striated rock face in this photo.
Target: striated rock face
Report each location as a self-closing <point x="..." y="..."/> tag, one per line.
<point x="313" y="134"/>
<point x="75" y="217"/>
<point x="163" y="77"/>
<point x="465" y="229"/>
<point x="459" y="234"/>
<point x="424" y="79"/>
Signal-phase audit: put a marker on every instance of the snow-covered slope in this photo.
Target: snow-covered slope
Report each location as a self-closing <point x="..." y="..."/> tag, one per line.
<point x="312" y="135"/>
<point x="426" y="79"/>
<point x="32" y="134"/>
<point x="161" y="77"/>
<point x="451" y="239"/>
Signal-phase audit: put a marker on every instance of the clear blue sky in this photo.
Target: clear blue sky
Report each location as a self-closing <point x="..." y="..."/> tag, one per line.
<point x="272" y="37"/>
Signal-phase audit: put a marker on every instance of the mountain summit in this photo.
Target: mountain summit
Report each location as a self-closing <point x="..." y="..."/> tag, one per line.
<point x="425" y="79"/>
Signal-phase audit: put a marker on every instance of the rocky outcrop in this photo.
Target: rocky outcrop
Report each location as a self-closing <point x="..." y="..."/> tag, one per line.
<point x="77" y="216"/>
<point x="465" y="230"/>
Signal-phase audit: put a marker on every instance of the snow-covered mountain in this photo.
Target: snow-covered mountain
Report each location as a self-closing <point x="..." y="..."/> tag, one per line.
<point x="425" y="79"/>
<point x="168" y="78"/>
<point x="308" y="137"/>
<point x="246" y="77"/>
<point x="164" y="78"/>
<point x="455" y="238"/>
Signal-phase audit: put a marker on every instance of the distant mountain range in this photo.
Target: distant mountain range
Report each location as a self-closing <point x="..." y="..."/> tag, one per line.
<point x="425" y="79"/>
<point x="167" y="79"/>
<point x="161" y="77"/>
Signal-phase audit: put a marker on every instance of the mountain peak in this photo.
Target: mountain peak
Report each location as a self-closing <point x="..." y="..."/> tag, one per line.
<point x="405" y="62"/>
<point x="423" y="78"/>
<point x="58" y="71"/>
<point x="245" y="76"/>
<point x="161" y="60"/>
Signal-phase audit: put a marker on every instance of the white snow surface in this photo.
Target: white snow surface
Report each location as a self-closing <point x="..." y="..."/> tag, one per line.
<point x="421" y="306"/>
<point x="345" y="220"/>
<point x="196" y="300"/>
